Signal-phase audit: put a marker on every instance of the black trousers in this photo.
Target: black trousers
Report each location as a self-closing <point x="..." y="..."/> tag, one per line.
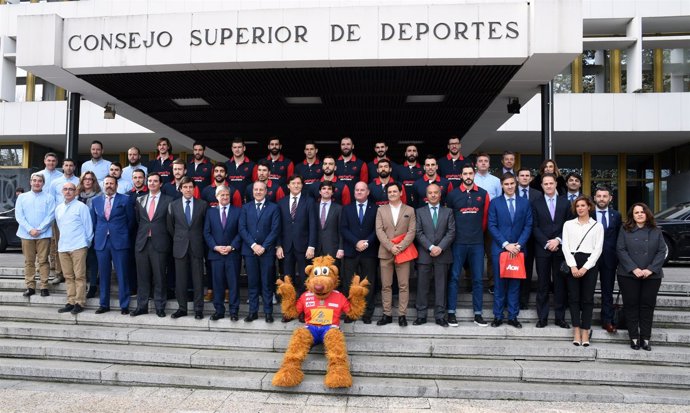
<point x="581" y="294"/>
<point x="294" y="264"/>
<point x="425" y="274"/>
<point x="526" y="284"/>
<point x="151" y="266"/>
<point x="184" y="268"/>
<point x="607" y="276"/>
<point x="548" y="269"/>
<point x="365" y="267"/>
<point x="639" y="300"/>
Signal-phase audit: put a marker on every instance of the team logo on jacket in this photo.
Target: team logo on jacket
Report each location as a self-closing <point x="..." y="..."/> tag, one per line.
<point x="479" y="199"/>
<point x="282" y="168"/>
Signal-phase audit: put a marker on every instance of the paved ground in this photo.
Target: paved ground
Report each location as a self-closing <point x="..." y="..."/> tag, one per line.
<point x="27" y="396"/>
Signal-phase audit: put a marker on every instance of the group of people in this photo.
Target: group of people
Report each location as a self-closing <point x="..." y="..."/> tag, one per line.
<point x="164" y="225"/>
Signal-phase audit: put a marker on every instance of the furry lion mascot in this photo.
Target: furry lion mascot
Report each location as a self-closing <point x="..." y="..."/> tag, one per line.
<point x="322" y="306"/>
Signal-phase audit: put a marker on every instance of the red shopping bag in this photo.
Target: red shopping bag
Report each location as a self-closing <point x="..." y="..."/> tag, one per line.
<point x="512" y="267"/>
<point x="408" y="254"/>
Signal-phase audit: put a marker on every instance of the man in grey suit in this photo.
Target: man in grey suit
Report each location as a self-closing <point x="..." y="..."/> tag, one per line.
<point x="435" y="235"/>
<point x="152" y="246"/>
<point x="328" y="216"/>
<point x="186" y="227"/>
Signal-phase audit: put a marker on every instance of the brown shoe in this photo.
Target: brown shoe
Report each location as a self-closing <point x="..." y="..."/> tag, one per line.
<point x="209" y="296"/>
<point x="610" y="328"/>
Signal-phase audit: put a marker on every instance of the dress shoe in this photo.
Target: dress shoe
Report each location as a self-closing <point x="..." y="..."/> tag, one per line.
<point x="217" y="316"/>
<point x="178" y="314"/>
<point x="138" y="311"/>
<point x="102" y="310"/>
<point x="301" y="317"/>
<point x="402" y="321"/>
<point x="251" y="317"/>
<point x="29" y="292"/>
<point x="45" y="292"/>
<point x="386" y="319"/>
<point x="198" y="315"/>
<point x="442" y="322"/>
<point x="77" y="309"/>
<point x="160" y="313"/>
<point x="208" y="297"/>
<point x="419" y="321"/>
<point x="66" y="309"/>
<point x="269" y="318"/>
<point x="452" y="320"/>
<point x="515" y="323"/>
<point x="634" y="344"/>
<point x="91" y="293"/>
<point x="542" y="324"/>
<point x="586" y="337"/>
<point x="496" y="322"/>
<point x="348" y="320"/>
<point x="562" y="324"/>
<point x="610" y="328"/>
<point x="58" y="279"/>
<point x="286" y="319"/>
<point x="645" y="345"/>
<point x="366" y="319"/>
<point x="124" y="311"/>
<point x="234" y="317"/>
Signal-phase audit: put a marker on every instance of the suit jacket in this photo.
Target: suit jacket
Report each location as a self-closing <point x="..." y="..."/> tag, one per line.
<point x="501" y="227"/>
<point x="215" y="234"/>
<point x="329" y="240"/>
<point x="532" y="193"/>
<point x="187" y="237"/>
<point x="544" y="228"/>
<point x="298" y="233"/>
<point x="386" y="231"/>
<point x="263" y="229"/>
<point x="119" y="226"/>
<point x="158" y="226"/>
<point x="609" y="257"/>
<point x="352" y="231"/>
<point x="442" y="235"/>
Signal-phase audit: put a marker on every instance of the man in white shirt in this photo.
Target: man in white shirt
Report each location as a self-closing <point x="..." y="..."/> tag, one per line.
<point x="134" y="158"/>
<point x="99" y="166"/>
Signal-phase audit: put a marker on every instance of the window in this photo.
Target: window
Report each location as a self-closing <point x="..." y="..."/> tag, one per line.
<point x="640" y="180"/>
<point x="11" y="155"/>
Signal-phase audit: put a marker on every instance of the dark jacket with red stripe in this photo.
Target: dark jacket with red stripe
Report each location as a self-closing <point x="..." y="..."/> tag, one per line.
<point x="309" y="173"/>
<point x="278" y="171"/>
<point x="471" y="211"/>
<point x="201" y="174"/>
<point x="163" y="168"/>
<point x="420" y="186"/>
<point x="209" y="195"/>
<point x="171" y="189"/>
<point x="274" y="192"/>
<point x="451" y="170"/>
<point x="241" y="176"/>
<point x="379" y="196"/>
<point x="373" y="169"/>
<point x="408" y="176"/>
<point x="341" y="192"/>
<point x="136" y="194"/>
<point x="350" y="173"/>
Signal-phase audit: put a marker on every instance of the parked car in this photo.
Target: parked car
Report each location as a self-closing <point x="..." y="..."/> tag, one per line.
<point x="8" y="231"/>
<point x="675" y="224"/>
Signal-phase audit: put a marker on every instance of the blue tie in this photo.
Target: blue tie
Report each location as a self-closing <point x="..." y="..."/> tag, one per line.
<point x="361" y="213"/>
<point x="603" y="219"/>
<point x="524" y="193"/>
<point x="511" y="208"/>
<point x="188" y="213"/>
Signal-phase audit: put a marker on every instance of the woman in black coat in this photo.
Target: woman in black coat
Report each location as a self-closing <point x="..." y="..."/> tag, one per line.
<point x="641" y="254"/>
<point x="549" y="167"/>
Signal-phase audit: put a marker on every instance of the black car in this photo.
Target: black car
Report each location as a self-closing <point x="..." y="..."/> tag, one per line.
<point x="675" y="224"/>
<point x="8" y="231"/>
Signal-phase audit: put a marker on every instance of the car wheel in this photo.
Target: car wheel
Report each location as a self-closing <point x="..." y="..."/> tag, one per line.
<point x="3" y="242"/>
<point x="671" y="249"/>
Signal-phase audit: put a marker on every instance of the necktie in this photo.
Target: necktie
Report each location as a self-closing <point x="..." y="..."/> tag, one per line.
<point x="571" y="197"/>
<point x="188" y="212"/>
<point x="323" y="215"/>
<point x="361" y="213"/>
<point x="224" y="217"/>
<point x="258" y="209"/>
<point x="603" y="221"/>
<point x="524" y="193"/>
<point x="108" y="207"/>
<point x="152" y="207"/>
<point x="552" y="209"/>
<point x="434" y="216"/>
<point x="293" y="208"/>
<point x="511" y="208"/>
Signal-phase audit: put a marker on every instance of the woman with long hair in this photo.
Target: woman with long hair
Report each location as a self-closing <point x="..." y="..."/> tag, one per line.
<point x="583" y="241"/>
<point x="549" y="167"/>
<point x="87" y="189"/>
<point x="641" y="254"/>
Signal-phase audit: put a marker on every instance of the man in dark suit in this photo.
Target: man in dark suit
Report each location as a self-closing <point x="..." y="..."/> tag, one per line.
<point x="524" y="177"/>
<point x="610" y="219"/>
<point x="510" y="224"/>
<point x="221" y="232"/>
<point x="298" y="236"/>
<point x="152" y="246"/>
<point x="328" y="212"/>
<point x="550" y="213"/>
<point x="113" y="220"/>
<point x="360" y="245"/>
<point x="186" y="227"/>
<point x="260" y="229"/>
<point x="435" y="235"/>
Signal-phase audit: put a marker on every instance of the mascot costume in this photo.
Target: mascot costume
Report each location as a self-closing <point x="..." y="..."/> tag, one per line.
<point x="322" y="306"/>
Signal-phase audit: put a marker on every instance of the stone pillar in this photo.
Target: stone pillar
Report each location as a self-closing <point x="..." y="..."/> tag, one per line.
<point x="576" y="75"/>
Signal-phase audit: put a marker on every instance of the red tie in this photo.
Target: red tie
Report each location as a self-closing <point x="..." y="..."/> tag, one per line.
<point x="152" y="207"/>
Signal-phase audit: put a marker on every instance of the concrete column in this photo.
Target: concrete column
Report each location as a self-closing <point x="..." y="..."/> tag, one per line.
<point x="30" y="87"/>
<point x="576" y="75"/>
<point x="8" y="71"/>
<point x="72" y="139"/>
<point x="615" y="71"/>
<point x="658" y="70"/>
<point x="600" y="78"/>
<point x="678" y="57"/>
<point x="633" y="59"/>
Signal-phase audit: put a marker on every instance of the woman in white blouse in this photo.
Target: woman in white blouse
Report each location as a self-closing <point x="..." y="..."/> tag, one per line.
<point x="583" y="240"/>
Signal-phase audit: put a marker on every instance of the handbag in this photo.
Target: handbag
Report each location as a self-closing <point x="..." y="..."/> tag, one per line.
<point x="512" y="267"/>
<point x="619" y="313"/>
<point x="564" y="265"/>
<point x="408" y="254"/>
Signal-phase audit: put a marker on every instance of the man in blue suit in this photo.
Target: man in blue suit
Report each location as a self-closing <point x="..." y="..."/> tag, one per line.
<point x="510" y="225"/>
<point x="360" y="244"/>
<point x="221" y="232"/>
<point x="299" y="234"/>
<point x="259" y="229"/>
<point x="113" y="221"/>
<point x="610" y="219"/>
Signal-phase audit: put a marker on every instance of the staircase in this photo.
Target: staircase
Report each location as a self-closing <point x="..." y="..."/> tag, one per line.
<point x="417" y="361"/>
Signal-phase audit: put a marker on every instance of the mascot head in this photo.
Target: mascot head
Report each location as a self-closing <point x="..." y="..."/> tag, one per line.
<point x="322" y="276"/>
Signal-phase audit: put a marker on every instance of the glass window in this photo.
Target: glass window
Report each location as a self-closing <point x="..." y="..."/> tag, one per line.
<point x="11" y="155"/>
<point x="569" y="163"/>
<point x="640" y="167"/>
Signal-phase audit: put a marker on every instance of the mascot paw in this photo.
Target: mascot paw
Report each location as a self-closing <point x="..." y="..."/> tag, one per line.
<point x="359" y="288"/>
<point x="284" y="287"/>
<point x="288" y="377"/>
<point x="338" y="377"/>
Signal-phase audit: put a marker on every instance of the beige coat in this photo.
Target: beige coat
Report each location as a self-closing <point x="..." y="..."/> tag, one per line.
<point x="385" y="231"/>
